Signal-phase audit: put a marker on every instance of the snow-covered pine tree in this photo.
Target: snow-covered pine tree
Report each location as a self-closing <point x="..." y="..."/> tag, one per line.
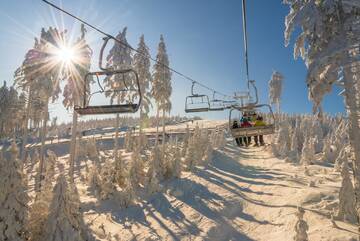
<point x="108" y="180"/>
<point x="294" y="153"/>
<point x="92" y="151"/>
<point x="191" y="157"/>
<point x="94" y="180"/>
<point x="275" y="89"/>
<point x="141" y="64"/>
<point x="301" y="227"/>
<point x="161" y="87"/>
<point x="347" y="211"/>
<point x="119" y="58"/>
<point x="155" y="164"/>
<point x="120" y="169"/>
<point x="177" y="163"/>
<point x="137" y="172"/>
<point x="341" y="158"/>
<point x="308" y="152"/>
<point x="185" y="141"/>
<point x="74" y="87"/>
<point x="39" y="210"/>
<point x="64" y="222"/>
<point x="153" y="185"/>
<point x="13" y="199"/>
<point x="127" y="196"/>
<point x="130" y="142"/>
<point x="328" y="41"/>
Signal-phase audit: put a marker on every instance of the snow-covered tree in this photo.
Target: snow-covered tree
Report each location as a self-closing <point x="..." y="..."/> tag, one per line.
<point x="308" y="152"/>
<point x="94" y="180"/>
<point x="74" y="86"/>
<point x="282" y="141"/>
<point x="13" y="198"/>
<point x="64" y="222"/>
<point x="161" y="86"/>
<point x="129" y="141"/>
<point x="191" y="157"/>
<point x="301" y="227"/>
<point x="40" y="75"/>
<point x="108" y="180"/>
<point x="155" y="164"/>
<point x="137" y="172"/>
<point x="275" y="89"/>
<point x="127" y="196"/>
<point x="294" y="149"/>
<point x="120" y="169"/>
<point x="141" y="64"/>
<point x="347" y="209"/>
<point x="329" y="43"/>
<point x="39" y="210"/>
<point x="185" y="141"/>
<point x="177" y="163"/>
<point x="119" y="58"/>
<point x="153" y="185"/>
<point x="342" y="157"/>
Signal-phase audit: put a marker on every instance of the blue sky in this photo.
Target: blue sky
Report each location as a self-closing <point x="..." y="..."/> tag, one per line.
<point x="203" y="38"/>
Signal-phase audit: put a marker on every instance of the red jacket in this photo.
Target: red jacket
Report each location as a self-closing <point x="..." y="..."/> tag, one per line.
<point x="245" y="124"/>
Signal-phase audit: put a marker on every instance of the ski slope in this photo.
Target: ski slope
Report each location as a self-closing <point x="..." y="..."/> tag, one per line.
<point x="243" y="194"/>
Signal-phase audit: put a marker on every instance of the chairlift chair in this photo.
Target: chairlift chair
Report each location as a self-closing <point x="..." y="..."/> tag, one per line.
<point x="216" y="104"/>
<point x="129" y="107"/>
<point x="196" y="102"/>
<point x="268" y="129"/>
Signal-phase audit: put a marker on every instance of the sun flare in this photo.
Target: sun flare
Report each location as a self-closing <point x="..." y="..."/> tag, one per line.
<point x="65" y="55"/>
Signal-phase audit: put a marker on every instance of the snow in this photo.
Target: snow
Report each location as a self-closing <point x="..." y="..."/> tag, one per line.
<point x="236" y="194"/>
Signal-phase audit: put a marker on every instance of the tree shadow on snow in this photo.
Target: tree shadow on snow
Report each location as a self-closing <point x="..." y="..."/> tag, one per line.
<point x="197" y="196"/>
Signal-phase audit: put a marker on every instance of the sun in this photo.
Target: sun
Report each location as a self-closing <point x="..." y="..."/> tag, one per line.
<point x="65" y="54"/>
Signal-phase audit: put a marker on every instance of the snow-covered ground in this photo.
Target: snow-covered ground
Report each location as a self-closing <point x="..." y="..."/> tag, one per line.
<point x="241" y="194"/>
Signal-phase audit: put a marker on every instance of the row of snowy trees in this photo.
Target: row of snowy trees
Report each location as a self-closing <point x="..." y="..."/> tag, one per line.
<point x="154" y="85"/>
<point x="121" y="178"/>
<point x="12" y="106"/>
<point x="304" y="139"/>
<point x="328" y="41"/>
<point x="54" y="213"/>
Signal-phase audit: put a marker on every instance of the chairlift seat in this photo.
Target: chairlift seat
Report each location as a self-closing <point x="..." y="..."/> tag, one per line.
<point x="106" y="109"/>
<point x="192" y="110"/>
<point x="253" y="131"/>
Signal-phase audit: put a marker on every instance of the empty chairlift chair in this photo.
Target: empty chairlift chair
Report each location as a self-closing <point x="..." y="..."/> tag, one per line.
<point x="128" y="87"/>
<point x="216" y="104"/>
<point x="196" y="102"/>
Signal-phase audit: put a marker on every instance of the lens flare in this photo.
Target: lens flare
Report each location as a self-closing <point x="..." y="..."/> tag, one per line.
<point x="65" y="55"/>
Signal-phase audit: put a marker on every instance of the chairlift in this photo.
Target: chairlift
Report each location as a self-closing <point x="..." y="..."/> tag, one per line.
<point x="196" y="102"/>
<point x="267" y="129"/>
<point x="128" y="107"/>
<point x="216" y="104"/>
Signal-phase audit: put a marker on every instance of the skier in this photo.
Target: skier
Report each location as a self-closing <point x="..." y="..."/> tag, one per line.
<point x="245" y="124"/>
<point x="238" y="140"/>
<point x="259" y="122"/>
